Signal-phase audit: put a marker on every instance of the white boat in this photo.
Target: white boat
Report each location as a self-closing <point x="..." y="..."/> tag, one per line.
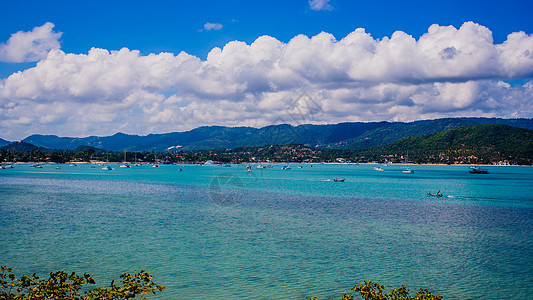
<point x="260" y="167"/>
<point x="125" y="164"/>
<point x="286" y="167"/>
<point x="408" y="171"/>
<point x="209" y="162"/>
<point x="378" y="169"/>
<point x="248" y="168"/>
<point x="477" y="170"/>
<point x="108" y="168"/>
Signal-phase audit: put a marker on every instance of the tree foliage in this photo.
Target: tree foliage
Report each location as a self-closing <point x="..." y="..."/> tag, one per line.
<point x="374" y="291"/>
<point x="62" y="285"/>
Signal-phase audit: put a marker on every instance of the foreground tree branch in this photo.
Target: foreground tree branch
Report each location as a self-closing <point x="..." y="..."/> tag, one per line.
<point x="374" y="291"/>
<point x="61" y="285"/>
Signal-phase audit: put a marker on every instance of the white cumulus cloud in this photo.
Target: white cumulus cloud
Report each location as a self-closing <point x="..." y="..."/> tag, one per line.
<point x="30" y="46"/>
<point x="447" y="72"/>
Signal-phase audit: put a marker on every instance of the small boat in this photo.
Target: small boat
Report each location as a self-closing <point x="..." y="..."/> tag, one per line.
<point x="300" y="167"/>
<point x="39" y="166"/>
<point x="338" y="180"/>
<point x="477" y="170"/>
<point x="438" y="194"/>
<point x="286" y="167"/>
<point x="58" y="167"/>
<point x="248" y="168"/>
<point x="408" y="171"/>
<point x="125" y="164"/>
<point x="260" y="166"/>
<point x="227" y="166"/>
<point x="155" y="166"/>
<point x="108" y="168"/>
<point x="378" y="169"/>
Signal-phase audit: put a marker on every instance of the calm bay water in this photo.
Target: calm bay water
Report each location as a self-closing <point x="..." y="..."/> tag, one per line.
<point x="273" y="234"/>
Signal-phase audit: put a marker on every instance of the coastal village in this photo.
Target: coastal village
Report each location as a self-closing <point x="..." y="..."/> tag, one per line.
<point x="294" y="153"/>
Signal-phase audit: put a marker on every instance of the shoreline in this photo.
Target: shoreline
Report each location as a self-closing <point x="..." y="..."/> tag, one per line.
<point x="277" y="163"/>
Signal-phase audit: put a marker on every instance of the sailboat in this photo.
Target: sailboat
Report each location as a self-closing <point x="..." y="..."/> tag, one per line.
<point x="125" y="164"/>
<point x="107" y="167"/>
<point x="155" y="165"/>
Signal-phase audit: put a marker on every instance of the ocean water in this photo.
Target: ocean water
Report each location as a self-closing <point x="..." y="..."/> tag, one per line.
<point x="213" y="231"/>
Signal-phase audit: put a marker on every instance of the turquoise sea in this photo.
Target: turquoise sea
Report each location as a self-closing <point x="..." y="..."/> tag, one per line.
<point x="226" y="233"/>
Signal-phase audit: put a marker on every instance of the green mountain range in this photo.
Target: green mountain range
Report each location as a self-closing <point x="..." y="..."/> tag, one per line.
<point x="336" y="136"/>
<point x="471" y="143"/>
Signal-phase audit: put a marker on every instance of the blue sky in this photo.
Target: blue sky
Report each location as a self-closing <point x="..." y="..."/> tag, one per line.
<point x="173" y="25"/>
<point x="197" y="27"/>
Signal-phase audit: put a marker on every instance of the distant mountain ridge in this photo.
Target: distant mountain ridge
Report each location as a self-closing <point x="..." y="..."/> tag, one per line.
<point x="3" y="142"/>
<point x="342" y="136"/>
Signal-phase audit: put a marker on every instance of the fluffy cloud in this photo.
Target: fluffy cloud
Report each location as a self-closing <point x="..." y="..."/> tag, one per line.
<point x="212" y="26"/>
<point x="446" y="72"/>
<point x="320" y="5"/>
<point x="30" y="46"/>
